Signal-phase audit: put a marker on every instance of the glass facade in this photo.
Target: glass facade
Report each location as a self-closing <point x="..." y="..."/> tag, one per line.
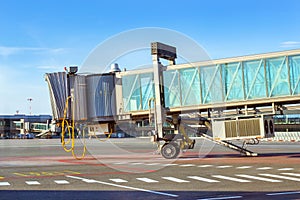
<point x="211" y="84"/>
<point x="294" y="63"/>
<point x="277" y="77"/>
<point x="254" y="87"/>
<point x="190" y="86"/>
<point x="137" y="89"/>
<point x="221" y="83"/>
<point x="172" y="88"/>
<point x="232" y="75"/>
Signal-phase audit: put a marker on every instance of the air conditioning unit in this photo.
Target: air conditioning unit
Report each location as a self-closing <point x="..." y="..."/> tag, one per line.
<point x="243" y="127"/>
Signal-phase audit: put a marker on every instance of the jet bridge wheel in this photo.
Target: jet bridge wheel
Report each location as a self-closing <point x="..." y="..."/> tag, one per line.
<point x="170" y="150"/>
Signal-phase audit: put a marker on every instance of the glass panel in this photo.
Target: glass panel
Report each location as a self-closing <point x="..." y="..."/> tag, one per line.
<point x="277" y="77"/>
<point x="172" y="88"/>
<point x="147" y="89"/>
<point x="294" y="62"/>
<point x="233" y="81"/>
<point x="131" y="92"/>
<point x="190" y="86"/>
<point x="211" y="84"/>
<point x="254" y="77"/>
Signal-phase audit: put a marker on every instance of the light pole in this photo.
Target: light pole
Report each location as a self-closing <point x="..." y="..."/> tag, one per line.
<point x="30" y="100"/>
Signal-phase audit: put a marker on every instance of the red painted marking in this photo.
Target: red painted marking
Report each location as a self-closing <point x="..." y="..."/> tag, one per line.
<point x="106" y="165"/>
<point x="80" y="162"/>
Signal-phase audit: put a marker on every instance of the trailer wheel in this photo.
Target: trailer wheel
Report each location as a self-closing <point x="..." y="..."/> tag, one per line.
<point x="170" y="150"/>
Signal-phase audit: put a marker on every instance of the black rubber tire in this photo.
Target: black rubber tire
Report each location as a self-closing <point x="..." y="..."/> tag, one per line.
<point x="170" y="151"/>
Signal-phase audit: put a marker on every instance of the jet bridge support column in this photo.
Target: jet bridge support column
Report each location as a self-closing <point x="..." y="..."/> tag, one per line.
<point x="159" y="96"/>
<point x="159" y="50"/>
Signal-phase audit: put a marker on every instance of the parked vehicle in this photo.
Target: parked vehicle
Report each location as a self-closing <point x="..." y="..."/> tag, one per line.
<point x="26" y="136"/>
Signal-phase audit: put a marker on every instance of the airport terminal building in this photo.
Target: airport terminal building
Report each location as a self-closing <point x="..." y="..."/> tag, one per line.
<point x="11" y="126"/>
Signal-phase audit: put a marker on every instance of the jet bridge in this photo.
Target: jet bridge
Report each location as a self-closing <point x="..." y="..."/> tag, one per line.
<point x="246" y="128"/>
<point x="234" y="98"/>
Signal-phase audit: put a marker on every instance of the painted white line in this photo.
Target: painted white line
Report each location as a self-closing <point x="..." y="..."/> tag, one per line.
<point x="120" y="163"/>
<point x="4" y="184"/>
<point x="61" y="182"/>
<point x="222" y="198"/>
<point x="150" y="164"/>
<point x="282" y="177"/>
<point x="291" y="174"/>
<point x="177" y="180"/>
<point x="136" y="163"/>
<point x="258" y="178"/>
<point x="286" y="169"/>
<point x="198" y="178"/>
<point x="231" y="178"/>
<point x="283" y="193"/>
<point x="170" y="164"/>
<point x="188" y="159"/>
<point x="244" y="167"/>
<point x="90" y="181"/>
<point x="147" y="180"/>
<point x="187" y="165"/>
<point x="123" y="186"/>
<point x="118" y="180"/>
<point x="204" y="166"/>
<point x="224" y="166"/>
<point x="264" y="168"/>
<point x="32" y="183"/>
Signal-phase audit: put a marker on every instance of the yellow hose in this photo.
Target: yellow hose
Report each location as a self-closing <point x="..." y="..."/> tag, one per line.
<point x="71" y="132"/>
<point x="103" y="140"/>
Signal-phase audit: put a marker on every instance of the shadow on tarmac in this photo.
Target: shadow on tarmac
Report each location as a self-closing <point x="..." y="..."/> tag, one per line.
<point x="128" y="195"/>
<point x="237" y="155"/>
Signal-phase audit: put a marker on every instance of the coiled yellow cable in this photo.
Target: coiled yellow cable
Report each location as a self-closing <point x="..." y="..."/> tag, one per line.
<point x="71" y="132"/>
<point x="105" y="139"/>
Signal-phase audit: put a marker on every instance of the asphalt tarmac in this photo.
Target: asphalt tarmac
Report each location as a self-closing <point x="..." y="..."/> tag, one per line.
<point x="131" y="168"/>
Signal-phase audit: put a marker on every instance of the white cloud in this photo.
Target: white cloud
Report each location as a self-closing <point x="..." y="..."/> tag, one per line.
<point x="50" y="67"/>
<point x="7" y="51"/>
<point x="57" y="50"/>
<point x="289" y="44"/>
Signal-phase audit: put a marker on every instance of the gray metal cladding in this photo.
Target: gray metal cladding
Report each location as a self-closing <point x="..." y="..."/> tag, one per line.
<point x="80" y="98"/>
<point x="100" y="96"/>
<point x="57" y="83"/>
<point x="93" y="96"/>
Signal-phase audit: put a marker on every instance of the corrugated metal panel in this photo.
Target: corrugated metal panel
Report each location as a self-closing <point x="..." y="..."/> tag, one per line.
<point x="80" y="98"/>
<point x="242" y="128"/>
<point x="231" y="129"/>
<point x="249" y="127"/>
<point x="100" y="96"/>
<point x="57" y="83"/>
<point x="256" y="127"/>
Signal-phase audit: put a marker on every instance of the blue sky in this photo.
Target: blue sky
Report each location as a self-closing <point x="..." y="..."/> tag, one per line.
<point x="37" y="37"/>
